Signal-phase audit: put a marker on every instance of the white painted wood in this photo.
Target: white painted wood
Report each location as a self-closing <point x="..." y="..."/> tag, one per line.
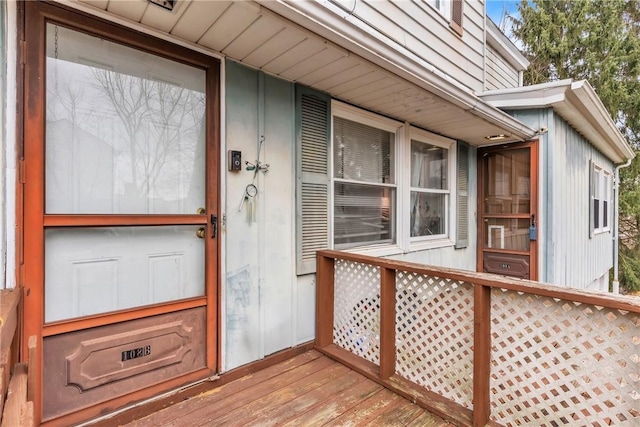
<point x="162" y="19"/>
<point x="97" y="270"/>
<point x="233" y="22"/>
<point x="130" y="9"/>
<point x="303" y="68"/>
<point x="264" y="28"/>
<point x="300" y="52"/>
<point x="100" y="4"/>
<point x="197" y="18"/>
<point x="276" y="46"/>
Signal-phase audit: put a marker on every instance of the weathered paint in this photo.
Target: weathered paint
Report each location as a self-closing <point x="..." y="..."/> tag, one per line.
<point x="568" y="256"/>
<point x="259" y="257"/>
<point x="3" y="127"/>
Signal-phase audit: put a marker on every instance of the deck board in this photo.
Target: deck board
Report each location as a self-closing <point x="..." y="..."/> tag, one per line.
<point x="307" y="390"/>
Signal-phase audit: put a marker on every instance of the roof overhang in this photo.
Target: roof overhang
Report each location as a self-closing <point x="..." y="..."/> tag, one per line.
<point x="320" y="45"/>
<point x="577" y="103"/>
<point x="347" y="31"/>
<point x="501" y="43"/>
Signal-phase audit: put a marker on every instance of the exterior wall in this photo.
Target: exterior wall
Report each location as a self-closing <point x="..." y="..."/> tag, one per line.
<point x="500" y="74"/>
<point x="422" y="29"/>
<point x="259" y="287"/>
<point x="568" y="256"/>
<point x="8" y="50"/>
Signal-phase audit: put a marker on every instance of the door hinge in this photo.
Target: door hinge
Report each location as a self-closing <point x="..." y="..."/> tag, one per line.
<point x="214" y="226"/>
<point x="23" y="52"/>
<point x="22" y="171"/>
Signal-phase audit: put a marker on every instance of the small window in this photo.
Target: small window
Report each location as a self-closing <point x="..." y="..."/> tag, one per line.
<point x="429" y="189"/>
<point x="600" y="199"/>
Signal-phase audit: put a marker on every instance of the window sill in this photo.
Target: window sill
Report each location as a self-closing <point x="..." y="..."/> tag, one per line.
<point x="422" y="245"/>
<point x="377" y="250"/>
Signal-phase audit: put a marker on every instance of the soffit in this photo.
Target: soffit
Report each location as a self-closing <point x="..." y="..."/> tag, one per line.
<point x="578" y="104"/>
<point x="254" y="35"/>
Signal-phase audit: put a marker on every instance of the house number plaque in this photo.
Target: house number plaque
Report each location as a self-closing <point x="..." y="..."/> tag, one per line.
<point x="503" y="265"/>
<point x="136" y="352"/>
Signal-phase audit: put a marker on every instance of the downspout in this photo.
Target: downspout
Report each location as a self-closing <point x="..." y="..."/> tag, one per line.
<point x="616" y="197"/>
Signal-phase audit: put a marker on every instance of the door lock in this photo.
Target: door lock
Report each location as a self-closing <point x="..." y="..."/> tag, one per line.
<point x="201" y="233"/>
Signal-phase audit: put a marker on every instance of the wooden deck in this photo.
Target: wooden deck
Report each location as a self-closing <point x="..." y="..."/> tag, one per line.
<point x="307" y="390"/>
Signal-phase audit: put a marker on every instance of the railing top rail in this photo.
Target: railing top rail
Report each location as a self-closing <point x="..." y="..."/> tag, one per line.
<point x="584" y="296"/>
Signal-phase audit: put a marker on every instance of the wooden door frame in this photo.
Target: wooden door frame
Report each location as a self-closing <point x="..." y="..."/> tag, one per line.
<point x="32" y="220"/>
<point x="533" y="145"/>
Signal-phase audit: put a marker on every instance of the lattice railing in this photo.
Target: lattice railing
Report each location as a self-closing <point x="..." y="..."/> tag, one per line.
<point x="356" y="322"/>
<point x="557" y="362"/>
<point x="476" y="348"/>
<point x="434" y="334"/>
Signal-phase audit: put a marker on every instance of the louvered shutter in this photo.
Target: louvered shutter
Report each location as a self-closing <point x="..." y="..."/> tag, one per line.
<point x="462" y="196"/>
<point x="456" y="15"/>
<point x="312" y="186"/>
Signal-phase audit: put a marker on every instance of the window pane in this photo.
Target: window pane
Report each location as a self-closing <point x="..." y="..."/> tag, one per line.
<point x="97" y="270"/>
<point x="428" y="214"/>
<point x="428" y="166"/>
<point x="362" y="153"/>
<point x="125" y="130"/>
<point x="363" y="214"/>
<point x="507" y="184"/>
<point x="507" y="234"/>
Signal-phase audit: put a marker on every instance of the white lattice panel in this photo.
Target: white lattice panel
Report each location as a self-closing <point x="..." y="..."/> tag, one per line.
<point x="558" y="362"/>
<point x="434" y="334"/>
<point x="356" y="319"/>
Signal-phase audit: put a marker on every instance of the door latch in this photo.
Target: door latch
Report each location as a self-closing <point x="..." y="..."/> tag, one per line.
<point x="214" y="226"/>
<point x="533" y="230"/>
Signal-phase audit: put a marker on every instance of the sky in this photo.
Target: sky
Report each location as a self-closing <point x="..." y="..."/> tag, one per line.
<point x="496" y="8"/>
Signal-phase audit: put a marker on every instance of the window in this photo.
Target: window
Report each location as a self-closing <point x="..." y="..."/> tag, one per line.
<point x="600" y="197"/>
<point x="364" y="182"/>
<point x="429" y="181"/>
<point x="452" y="10"/>
<point x="373" y="184"/>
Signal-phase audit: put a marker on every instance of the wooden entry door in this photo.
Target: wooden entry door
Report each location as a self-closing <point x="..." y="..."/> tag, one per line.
<point x="120" y="214"/>
<point x="507" y="202"/>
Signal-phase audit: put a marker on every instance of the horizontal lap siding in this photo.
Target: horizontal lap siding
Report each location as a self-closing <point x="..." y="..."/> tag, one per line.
<point x="500" y="74"/>
<point x="416" y="26"/>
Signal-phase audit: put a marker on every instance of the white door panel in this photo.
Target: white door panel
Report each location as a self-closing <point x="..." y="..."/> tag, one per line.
<point x="97" y="270"/>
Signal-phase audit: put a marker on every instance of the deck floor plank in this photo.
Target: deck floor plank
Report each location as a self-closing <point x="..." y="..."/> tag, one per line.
<point x="249" y="413"/>
<point x="325" y="412"/>
<point x="307" y="390"/>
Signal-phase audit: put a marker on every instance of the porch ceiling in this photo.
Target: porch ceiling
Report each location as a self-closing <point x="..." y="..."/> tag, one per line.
<point x="256" y="36"/>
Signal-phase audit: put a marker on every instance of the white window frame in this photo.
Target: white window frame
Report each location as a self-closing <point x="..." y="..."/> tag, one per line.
<point x="448" y="237"/>
<point x="401" y="167"/>
<point x="442" y="6"/>
<point x="602" y="188"/>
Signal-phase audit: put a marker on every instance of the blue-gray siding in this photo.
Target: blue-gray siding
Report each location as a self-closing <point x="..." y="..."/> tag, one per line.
<point x="568" y="256"/>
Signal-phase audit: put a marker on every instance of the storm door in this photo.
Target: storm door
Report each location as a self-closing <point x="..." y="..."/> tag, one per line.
<point x="121" y="205"/>
<point x="508" y="224"/>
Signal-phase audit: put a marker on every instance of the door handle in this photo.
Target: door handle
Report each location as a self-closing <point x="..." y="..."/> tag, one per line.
<point x="200" y="233"/>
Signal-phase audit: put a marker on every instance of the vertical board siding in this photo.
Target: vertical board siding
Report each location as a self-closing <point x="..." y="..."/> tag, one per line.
<point x="259" y="303"/>
<point x="500" y="74"/>
<point x="417" y="26"/>
<point x="568" y="256"/>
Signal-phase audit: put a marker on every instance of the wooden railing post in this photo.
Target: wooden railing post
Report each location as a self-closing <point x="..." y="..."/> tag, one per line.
<point x="387" y="323"/>
<point x="325" y="269"/>
<point x="481" y="355"/>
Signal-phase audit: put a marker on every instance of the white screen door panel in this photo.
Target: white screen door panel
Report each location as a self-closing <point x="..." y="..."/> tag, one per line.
<point x="96" y="270"/>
